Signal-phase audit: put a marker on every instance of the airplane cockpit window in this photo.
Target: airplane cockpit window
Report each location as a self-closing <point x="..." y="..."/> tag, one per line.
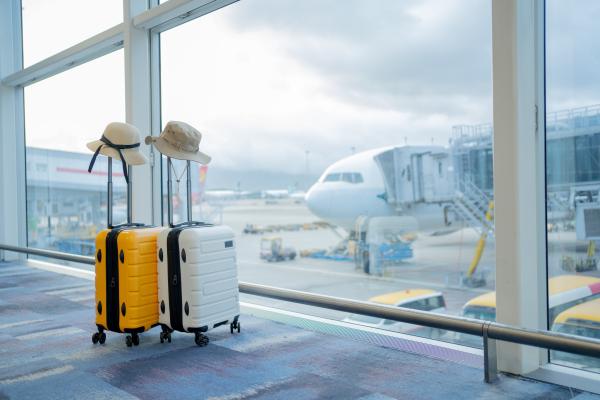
<point x="332" y="178"/>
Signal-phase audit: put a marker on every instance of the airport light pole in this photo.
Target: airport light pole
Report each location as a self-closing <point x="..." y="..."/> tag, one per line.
<point x="307" y="153"/>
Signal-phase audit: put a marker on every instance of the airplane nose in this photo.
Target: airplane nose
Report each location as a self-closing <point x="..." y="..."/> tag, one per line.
<point x="317" y="201"/>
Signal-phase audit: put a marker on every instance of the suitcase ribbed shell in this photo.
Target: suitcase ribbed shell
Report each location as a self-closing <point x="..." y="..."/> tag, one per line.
<point x="208" y="278"/>
<point x="136" y="280"/>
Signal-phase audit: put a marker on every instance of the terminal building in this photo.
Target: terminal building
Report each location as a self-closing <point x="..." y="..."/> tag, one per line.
<point x="367" y="200"/>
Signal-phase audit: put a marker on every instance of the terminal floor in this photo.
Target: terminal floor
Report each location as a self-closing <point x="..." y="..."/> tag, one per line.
<point x="46" y="352"/>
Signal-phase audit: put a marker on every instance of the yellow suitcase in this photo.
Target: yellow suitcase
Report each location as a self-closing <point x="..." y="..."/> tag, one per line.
<point x="126" y="281"/>
<point x="126" y="276"/>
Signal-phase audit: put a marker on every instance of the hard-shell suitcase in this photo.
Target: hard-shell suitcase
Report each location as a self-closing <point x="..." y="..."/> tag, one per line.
<point x="197" y="276"/>
<point x="126" y="279"/>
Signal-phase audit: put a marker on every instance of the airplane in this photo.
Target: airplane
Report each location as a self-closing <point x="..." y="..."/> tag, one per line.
<point x="275" y="194"/>
<point x="354" y="186"/>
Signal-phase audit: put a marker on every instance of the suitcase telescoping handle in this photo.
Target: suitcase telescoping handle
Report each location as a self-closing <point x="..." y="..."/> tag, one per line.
<point x="189" y="195"/>
<point x="109" y="205"/>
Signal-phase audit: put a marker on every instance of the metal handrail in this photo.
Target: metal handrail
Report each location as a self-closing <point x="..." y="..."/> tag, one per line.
<point x="489" y="331"/>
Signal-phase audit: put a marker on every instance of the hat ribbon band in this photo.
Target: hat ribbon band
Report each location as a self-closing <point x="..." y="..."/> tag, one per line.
<point x="117" y="147"/>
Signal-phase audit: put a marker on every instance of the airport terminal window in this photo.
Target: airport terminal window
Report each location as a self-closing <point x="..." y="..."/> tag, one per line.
<point x="52" y="26"/>
<point x="66" y="206"/>
<point x="393" y="99"/>
<point x="572" y="170"/>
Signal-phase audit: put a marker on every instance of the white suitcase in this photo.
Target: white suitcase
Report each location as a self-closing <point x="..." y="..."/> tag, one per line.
<point x="197" y="278"/>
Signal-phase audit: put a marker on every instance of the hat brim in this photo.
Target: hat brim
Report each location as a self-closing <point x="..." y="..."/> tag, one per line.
<point x="171" y="151"/>
<point x="131" y="156"/>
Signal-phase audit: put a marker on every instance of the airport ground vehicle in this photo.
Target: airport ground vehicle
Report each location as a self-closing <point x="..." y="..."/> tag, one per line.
<point x="382" y="241"/>
<point x="271" y="249"/>
<point x="416" y="299"/>
<point x="565" y="291"/>
<point x="581" y="320"/>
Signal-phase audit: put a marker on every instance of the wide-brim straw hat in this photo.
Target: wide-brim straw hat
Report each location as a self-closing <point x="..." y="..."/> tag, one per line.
<point x="180" y="141"/>
<point x="120" y="134"/>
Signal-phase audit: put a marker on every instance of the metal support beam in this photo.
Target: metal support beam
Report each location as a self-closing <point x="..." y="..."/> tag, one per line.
<point x="519" y="170"/>
<point x="94" y="47"/>
<point x="175" y="12"/>
<point x="136" y="43"/>
<point x="490" y="361"/>
<point x="13" y="220"/>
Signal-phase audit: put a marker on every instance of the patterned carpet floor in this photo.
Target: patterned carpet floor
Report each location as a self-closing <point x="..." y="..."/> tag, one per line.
<point x="46" y="352"/>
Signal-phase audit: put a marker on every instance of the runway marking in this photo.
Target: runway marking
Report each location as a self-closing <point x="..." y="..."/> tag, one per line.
<point x="69" y="330"/>
<point x="362" y="277"/>
<point x="37" y="375"/>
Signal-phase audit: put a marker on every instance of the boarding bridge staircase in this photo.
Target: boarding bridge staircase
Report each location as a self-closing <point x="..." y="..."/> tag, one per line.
<point x="472" y="205"/>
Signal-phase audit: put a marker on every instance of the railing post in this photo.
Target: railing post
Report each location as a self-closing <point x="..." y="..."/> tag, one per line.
<point x="490" y="361"/>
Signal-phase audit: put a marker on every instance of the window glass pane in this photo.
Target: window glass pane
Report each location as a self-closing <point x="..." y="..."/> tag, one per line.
<point x="394" y="97"/>
<point x="573" y="171"/>
<point x="66" y="206"/>
<point x="332" y="178"/>
<point x="52" y="26"/>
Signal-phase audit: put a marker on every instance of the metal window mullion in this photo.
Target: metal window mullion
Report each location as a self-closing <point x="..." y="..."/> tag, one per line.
<point x="519" y="192"/>
<point x="13" y="225"/>
<point x="176" y="12"/>
<point x="156" y="125"/>
<point x="101" y="44"/>
<point x="136" y="44"/>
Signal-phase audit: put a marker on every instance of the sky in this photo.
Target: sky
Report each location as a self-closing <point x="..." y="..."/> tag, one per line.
<point x="273" y="84"/>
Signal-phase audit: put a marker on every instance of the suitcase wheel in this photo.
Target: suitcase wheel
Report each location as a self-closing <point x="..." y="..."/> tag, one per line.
<point x="201" y="340"/>
<point x="133" y="339"/>
<point x="99" y="337"/>
<point x="165" y="336"/>
<point x="235" y="326"/>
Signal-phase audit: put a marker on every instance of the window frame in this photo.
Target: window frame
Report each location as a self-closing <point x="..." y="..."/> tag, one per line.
<point x="139" y="34"/>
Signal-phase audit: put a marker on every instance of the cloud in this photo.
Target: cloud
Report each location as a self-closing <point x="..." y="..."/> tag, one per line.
<point x="268" y="80"/>
<point x="385" y="53"/>
<point x="572" y="54"/>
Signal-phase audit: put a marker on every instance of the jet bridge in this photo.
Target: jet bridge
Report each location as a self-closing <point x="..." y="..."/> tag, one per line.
<point x="416" y="174"/>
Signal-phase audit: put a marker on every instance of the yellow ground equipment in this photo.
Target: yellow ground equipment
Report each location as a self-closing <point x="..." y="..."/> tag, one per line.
<point x="469" y="279"/>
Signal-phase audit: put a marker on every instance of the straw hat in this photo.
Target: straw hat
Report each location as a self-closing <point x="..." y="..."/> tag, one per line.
<point x="121" y="141"/>
<point x="181" y="141"/>
<point x="119" y="137"/>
